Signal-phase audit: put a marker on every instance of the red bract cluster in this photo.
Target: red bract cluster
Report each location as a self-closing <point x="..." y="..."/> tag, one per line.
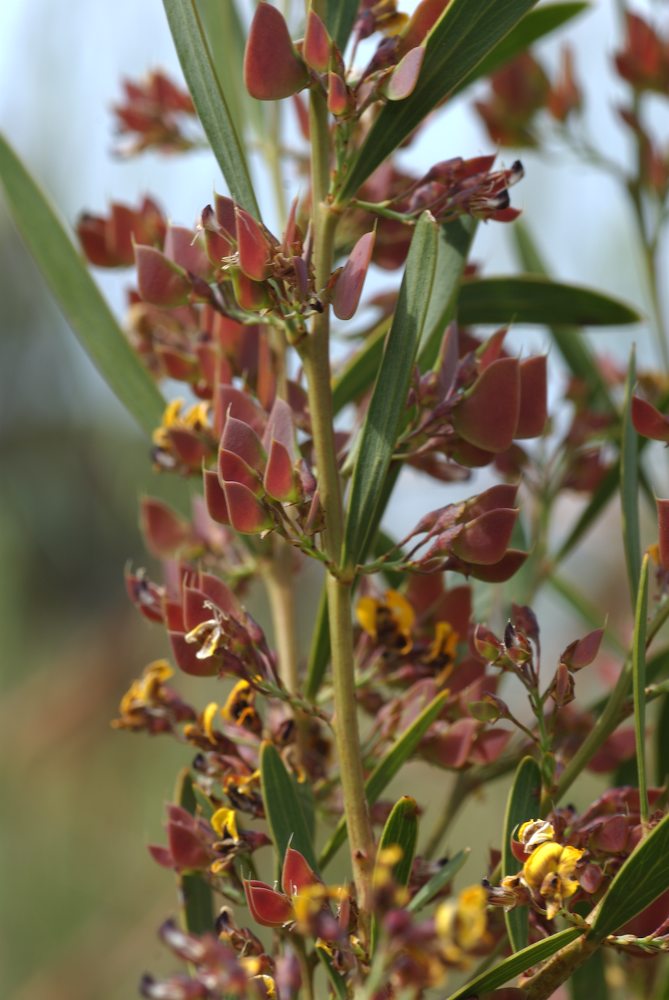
<point x="153" y="114"/>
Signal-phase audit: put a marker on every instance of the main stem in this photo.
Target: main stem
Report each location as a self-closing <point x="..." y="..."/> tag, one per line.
<point x="316" y="359"/>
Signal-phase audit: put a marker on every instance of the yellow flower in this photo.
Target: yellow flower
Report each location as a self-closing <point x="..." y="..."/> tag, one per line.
<point x="389" y="621"/>
<point x="463" y="925"/>
<point x="224" y="822"/>
<point x="445" y="642"/>
<point x="535" y="832"/>
<point x="239" y="708"/>
<point x="549" y="870"/>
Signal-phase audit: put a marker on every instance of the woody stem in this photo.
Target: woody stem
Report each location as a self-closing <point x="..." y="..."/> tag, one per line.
<point x="316" y="360"/>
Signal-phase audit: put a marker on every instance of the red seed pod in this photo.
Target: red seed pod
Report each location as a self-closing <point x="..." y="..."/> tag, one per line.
<point x="164" y="531"/>
<point x="352" y="279"/>
<point x="160" y="281"/>
<point x="268" y="907"/>
<point x="404" y="77"/>
<point x="317" y="44"/>
<point x="272" y="68"/>
<point x="485" y="539"/>
<point x="487" y="416"/>
<point x="648" y="421"/>
<point x="247" y="514"/>
<point x="339" y="99"/>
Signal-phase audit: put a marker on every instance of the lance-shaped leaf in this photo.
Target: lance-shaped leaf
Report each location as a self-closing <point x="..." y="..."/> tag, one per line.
<point x="531" y="298"/>
<point x="629" y="485"/>
<point x="225" y="36"/>
<point x="388" y="403"/>
<point x="398" y="837"/>
<point x="340" y="18"/>
<point x="387" y="768"/>
<point x="77" y="294"/>
<point x="487" y="417"/>
<point x="529" y="29"/>
<point x="642" y="878"/>
<point x="463" y="35"/>
<point x="513" y="966"/>
<point x="431" y="888"/>
<point x="283" y="806"/>
<point x="209" y="100"/>
<point x="195" y="895"/>
<point x="401" y="830"/>
<point x="272" y="68"/>
<point x="521" y="805"/>
<point x="639" y="686"/>
<point x="351" y="280"/>
<point x="455" y="240"/>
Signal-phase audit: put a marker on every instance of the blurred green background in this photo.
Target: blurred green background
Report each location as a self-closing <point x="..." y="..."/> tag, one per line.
<point x="80" y="899"/>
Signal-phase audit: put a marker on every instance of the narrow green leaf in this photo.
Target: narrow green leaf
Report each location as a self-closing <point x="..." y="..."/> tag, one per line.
<point x="77" y="294"/>
<point x="340" y="18"/>
<point x="319" y="654"/>
<point x="455" y="240"/>
<point x="226" y="38"/>
<point x="516" y="964"/>
<point x="569" y="340"/>
<point x="388" y="402"/>
<point x="387" y="768"/>
<point x="629" y="485"/>
<point x="210" y="103"/>
<point x="589" y="980"/>
<point x="195" y="895"/>
<point x="531" y="298"/>
<point x="466" y="32"/>
<point x="530" y="29"/>
<point x="522" y="804"/>
<point x="639" y="686"/>
<point x="427" y="892"/>
<point x="642" y="878"/>
<point x="400" y="830"/>
<point x="283" y="807"/>
<point x="662" y="743"/>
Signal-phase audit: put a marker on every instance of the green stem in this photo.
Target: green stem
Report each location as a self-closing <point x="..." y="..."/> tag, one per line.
<point x="316" y="360"/>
